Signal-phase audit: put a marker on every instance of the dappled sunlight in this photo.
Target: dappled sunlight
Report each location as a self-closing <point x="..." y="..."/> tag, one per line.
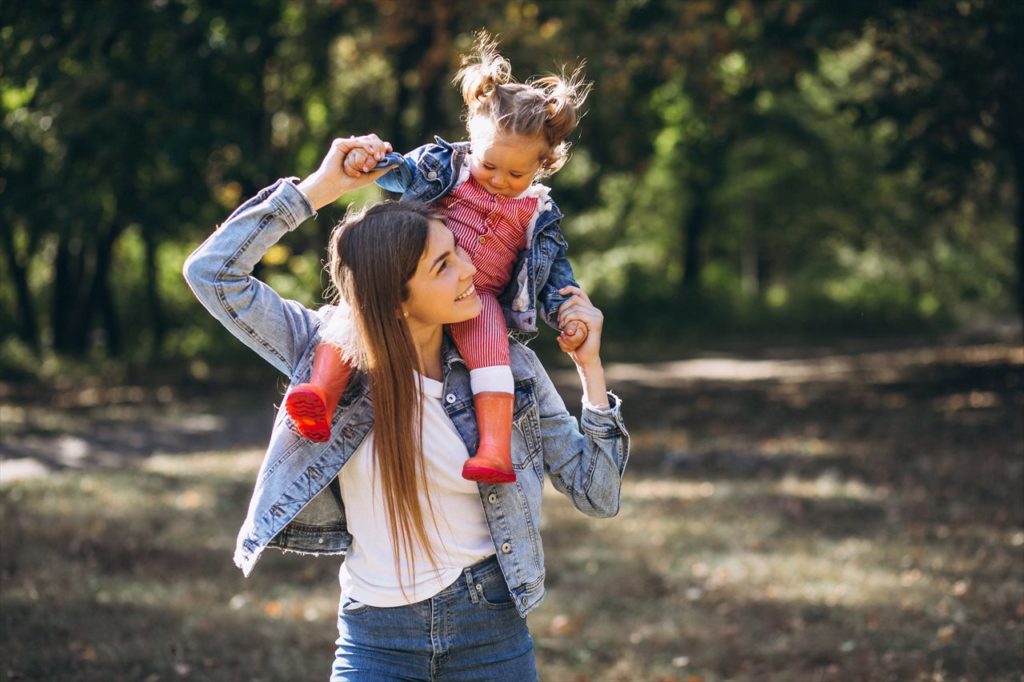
<point x="234" y="466"/>
<point x="804" y="522"/>
<point x="880" y="366"/>
<point x="804" y="446"/>
<point x="829" y="486"/>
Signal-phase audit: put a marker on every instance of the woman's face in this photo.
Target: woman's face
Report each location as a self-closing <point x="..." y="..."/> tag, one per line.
<point x="441" y="290"/>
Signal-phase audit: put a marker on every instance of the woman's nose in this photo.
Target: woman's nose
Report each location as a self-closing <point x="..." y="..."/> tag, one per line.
<point x="467" y="265"/>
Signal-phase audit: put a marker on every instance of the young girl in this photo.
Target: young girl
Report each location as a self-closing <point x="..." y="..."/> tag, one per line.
<point x="439" y="572"/>
<point x="503" y="218"/>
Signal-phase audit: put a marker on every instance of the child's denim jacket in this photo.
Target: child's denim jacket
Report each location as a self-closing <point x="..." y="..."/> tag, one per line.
<point x="431" y="171"/>
<point x="297" y="504"/>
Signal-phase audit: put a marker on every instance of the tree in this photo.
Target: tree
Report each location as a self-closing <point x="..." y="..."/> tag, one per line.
<point x="949" y="78"/>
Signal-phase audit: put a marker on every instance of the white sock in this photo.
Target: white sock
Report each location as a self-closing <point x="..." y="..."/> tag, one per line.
<point x="497" y="379"/>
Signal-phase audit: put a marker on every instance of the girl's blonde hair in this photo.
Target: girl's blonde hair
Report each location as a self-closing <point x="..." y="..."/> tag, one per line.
<point x="546" y="106"/>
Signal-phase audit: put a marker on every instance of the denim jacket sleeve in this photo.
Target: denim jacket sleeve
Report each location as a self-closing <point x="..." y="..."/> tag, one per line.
<point x="220" y="274"/>
<point x="400" y="178"/>
<point x="587" y="467"/>
<point x="560" y="275"/>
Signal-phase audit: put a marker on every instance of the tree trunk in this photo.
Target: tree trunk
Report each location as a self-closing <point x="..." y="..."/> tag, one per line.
<point x="750" y="275"/>
<point x="70" y="316"/>
<point x="693" y="229"/>
<point x="100" y="298"/>
<point x="18" y="265"/>
<point x="707" y="164"/>
<point x="1019" y="171"/>
<point x="157" y="323"/>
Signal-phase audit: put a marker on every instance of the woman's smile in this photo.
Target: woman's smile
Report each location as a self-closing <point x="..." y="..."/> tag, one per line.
<point x="467" y="292"/>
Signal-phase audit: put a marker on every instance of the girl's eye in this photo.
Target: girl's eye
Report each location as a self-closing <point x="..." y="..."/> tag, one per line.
<point x="516" y="175"/>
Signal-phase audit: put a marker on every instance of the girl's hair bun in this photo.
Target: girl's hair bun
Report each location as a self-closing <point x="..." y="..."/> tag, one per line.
<point x="546" y="106"/>
<point x="482" y="71"/>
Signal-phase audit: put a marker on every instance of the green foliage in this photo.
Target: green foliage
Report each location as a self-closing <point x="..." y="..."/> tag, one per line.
<point x="752" y="163"/>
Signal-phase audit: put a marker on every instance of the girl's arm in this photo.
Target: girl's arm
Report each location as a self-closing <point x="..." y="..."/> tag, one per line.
<point x="587" y="466"/>
<point x="220" y="270"/>
<point x="550" y="297"/>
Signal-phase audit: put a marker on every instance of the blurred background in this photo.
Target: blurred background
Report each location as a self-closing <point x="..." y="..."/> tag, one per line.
<point x="804" y="222"/>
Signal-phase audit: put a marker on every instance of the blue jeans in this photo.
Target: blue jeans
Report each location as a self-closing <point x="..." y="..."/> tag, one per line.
<point x="471" y="630"/>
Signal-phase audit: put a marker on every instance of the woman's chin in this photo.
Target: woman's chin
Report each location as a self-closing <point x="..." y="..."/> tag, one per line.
<point x="467" y="309"/>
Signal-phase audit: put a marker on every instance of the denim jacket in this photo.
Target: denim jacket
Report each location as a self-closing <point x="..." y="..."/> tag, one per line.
<point x="431" y="171"/>
<point x="297" y="505"/>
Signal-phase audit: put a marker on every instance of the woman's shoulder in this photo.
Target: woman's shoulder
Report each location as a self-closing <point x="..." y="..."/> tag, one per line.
<point x="524" y="362"/>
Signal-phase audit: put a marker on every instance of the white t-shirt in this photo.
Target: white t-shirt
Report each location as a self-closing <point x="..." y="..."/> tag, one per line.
<point x="461" y="536"/>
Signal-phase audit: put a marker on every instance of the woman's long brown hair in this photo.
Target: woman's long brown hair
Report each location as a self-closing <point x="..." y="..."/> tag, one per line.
<point x="372" y="255"/>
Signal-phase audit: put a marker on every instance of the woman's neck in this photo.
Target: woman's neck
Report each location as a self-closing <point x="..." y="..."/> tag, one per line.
<point x="428" y="348"/>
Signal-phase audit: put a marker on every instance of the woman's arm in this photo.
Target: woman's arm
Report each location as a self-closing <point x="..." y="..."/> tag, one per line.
<point x="220" y="270"/>
<point x="586" y="466"/>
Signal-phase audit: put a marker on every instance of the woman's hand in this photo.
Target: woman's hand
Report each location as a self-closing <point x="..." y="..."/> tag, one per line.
<point x="587" y="354"/>
<point x="329" y="181"/>
<point x="578" y="309"/>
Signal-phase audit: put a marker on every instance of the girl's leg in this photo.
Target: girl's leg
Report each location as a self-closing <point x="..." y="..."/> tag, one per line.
<point x="311" y="405"/>
<point x="483" y="344"/>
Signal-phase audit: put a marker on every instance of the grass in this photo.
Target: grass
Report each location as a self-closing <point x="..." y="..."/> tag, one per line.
<point x="851" y="517"/>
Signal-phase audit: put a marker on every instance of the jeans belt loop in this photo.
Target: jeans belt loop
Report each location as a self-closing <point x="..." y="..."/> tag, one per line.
<point x="470" y="585"/>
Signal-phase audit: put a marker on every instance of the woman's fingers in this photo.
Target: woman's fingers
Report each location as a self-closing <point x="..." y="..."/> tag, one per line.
<point x="367" y="151"/>
<point x="576" y="309"/>
<point x="574" y="291"/>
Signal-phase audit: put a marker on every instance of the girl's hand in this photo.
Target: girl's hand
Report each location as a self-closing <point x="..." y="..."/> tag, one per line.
<point x="355" y="162"/>
<point x="573" y="336"/>
<point x="578" y="309"/>
<point x="329" y="181"/>
<point x="363" y="159"/>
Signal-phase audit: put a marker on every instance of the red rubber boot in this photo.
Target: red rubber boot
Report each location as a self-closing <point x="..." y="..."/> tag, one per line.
<point x="311" y="405"/>
<point x="492" y="462"/>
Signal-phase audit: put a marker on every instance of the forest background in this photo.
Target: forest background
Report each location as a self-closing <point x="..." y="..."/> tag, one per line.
<point x="800" y="170"/>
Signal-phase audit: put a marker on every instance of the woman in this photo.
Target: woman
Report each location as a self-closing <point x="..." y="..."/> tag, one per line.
<point x="440" y="572"/>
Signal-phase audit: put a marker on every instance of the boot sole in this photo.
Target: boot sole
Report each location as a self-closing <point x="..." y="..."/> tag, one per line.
<point x="487" y="475"/>
<point x="309" y="413"/>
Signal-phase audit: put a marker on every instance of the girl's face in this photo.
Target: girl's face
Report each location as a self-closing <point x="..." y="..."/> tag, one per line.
<point x="503" y="163"/>
<point x="441" y="290"/>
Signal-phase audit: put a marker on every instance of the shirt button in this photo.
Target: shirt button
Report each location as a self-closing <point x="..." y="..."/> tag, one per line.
<point x="506" y="548"/>
<point x="492" y="498"/>
<point x="450" y="398"/>
<point x="432" y="175"/>
<point x="482" y="240"/>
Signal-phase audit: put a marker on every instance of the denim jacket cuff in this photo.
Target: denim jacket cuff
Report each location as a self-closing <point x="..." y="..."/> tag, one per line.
<point x="290" y="203"/>
<point x="603" y="421"/>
